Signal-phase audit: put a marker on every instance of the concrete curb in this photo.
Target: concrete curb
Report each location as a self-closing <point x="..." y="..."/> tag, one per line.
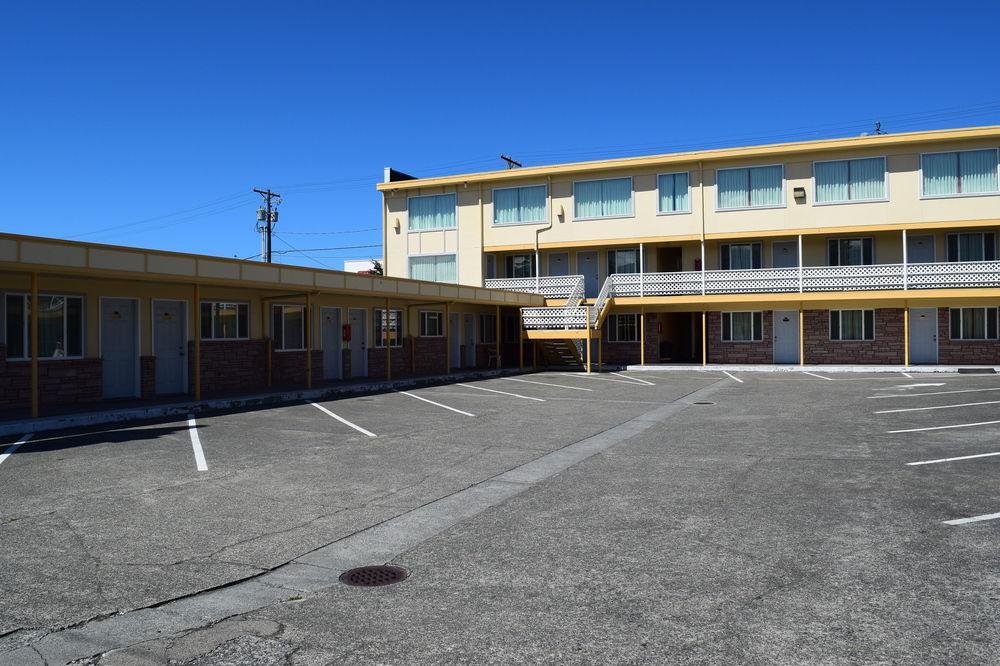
<point x="102" y="417"/>
<point x="826" y="369"/>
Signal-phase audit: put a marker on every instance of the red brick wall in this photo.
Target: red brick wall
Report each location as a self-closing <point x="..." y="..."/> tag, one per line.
<point x="288" y="368"/>
<point x="147" y="376"/>
<point x="885" y="349"/>
<point x="401" y="357"/>
<point x="739" y="352"/>
<point x="963" y="352"/>
<point x="229" y="366"/>
<point x="60" y="382"/>
<point x="628" y="353"/>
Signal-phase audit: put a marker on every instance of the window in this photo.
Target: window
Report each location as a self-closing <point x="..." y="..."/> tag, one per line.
<point x="673" y="193"/>
<point x="520" y="265"/>
<point x="623" y="261"/>
<point x="519" y="205"/>
<point x="972" y="247"/>
<point x="510" y="329"/>
<point x="60" y="326"/>
<point x="602" y="198"/>
<point x="851" y="252"/>
<point x="742" y="326"/>
<point x="436" y="211"/>
<point x="966" y="172"/>
<point x="394" y="327"/>
<point x="737" y="256"/>
<point x="487" y="329"/>
<point x="435" y="268"/>
<point x="623" y="328"/>
<point x="288" y="327"/>
<point x="973" y="323"/>
<point x="753" y="187"/>
<point x="850" y="180"/>
<point x="491" y="266"/>
<point x="225" y="321"/>
<point x="852" y="324"/>
<point x="431" y="324"/>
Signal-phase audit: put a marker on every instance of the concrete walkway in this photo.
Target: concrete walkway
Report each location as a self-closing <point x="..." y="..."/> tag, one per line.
<point x="825" y="369"/>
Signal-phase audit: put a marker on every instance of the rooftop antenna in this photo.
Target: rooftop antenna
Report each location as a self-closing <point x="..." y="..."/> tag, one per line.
<point x="878" y="127"/>
<point x="511" y="162"/>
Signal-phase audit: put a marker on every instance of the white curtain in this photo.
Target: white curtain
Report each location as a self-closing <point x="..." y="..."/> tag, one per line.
<point x="587" y="199"/>
<point x="867" y="179"/>
<point x="673" y="189"/>
<point x="940" y="173"/>
<point x="831" y="181"/>
<point x="432" y="212"/>
<point x="765" y="186"/>
<point x="505" y="207"/>
<point x="434" y="268"/>
<point x="602" y="198"/>
<point x="532" y="203"/>
<point x="977" y="170"/>
<point x="732" y="188"/>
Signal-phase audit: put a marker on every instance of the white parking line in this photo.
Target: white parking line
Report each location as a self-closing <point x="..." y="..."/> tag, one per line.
<point x="528" y="381"/>
<point x="199" y="455"/>
<point x="515" y="395"/>
<point x="947" y="427"/>
<point x="732" y="376"/>
<point x="580" y="375"/>
<point x="915" y="395"/>
<point x="815" y="375"/>
<point x="14" y="447"/>
<point x="924" y="409"/>
<point x="452" y="409"/>
<point x="944" y="460"/>
<point x="973" y="519"/>
<point x="634" y="379"/>
<point x="342" y="419"/>
<point x="907" y="375"/>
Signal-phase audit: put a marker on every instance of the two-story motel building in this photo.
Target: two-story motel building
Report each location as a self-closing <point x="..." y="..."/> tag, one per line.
<point x="866" y="250"/>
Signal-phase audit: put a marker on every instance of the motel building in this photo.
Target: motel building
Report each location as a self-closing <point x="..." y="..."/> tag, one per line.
<point x="873" y="250"/>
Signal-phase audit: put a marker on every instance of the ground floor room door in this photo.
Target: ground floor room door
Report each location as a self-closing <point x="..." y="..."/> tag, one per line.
<point x="786" y="336"/>
<point x="358" y="319"/>
<point x="119" y="347"/>
<point x="331" y="335"/>
<point x="586" y="265"/>
<point x="455" y="340"/>
<point x="923" y="335"/>
<point x="169" y="346"/>
<point x="469" y="331"/>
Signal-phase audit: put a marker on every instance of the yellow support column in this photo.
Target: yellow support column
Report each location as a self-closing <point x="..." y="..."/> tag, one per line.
<point x="906" y="336"/>
<point x="600" y="350"/>
<point x="447" y="339"/>
<point x="520" y="339"/>
<point x="802" y="337"/>
<point x="642" y="336"/>
<point x="704" y="339"/>
<point x="387" y="332"/>
<point x="498" y="337"/>
<point x="309" y="338"/>
<point x="197" y="343"/>
<point x="588" y="352"/>
<point x="33" y="345"/>
<point x="265" y="338"/>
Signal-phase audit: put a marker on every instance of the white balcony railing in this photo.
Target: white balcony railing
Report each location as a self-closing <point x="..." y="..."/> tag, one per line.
<point x="555" y="286"/>
<point x="555" y="318"/>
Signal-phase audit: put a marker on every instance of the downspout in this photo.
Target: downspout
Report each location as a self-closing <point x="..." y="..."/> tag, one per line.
<point x="701" y="193"/>
<point x="538" y="261"/>
<point x="482" y="237"/>
<point x="385" y="235"/>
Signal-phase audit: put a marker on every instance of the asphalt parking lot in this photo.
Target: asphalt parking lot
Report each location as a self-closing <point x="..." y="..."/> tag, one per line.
<point x="549" y="517"/>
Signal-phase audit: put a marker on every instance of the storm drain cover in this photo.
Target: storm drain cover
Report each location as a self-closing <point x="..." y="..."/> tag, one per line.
<point x="703" y="402"/>
<point x="373" y="576"/>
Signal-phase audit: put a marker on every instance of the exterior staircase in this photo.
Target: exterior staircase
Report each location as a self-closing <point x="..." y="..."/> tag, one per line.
<point x="560" y="353"/>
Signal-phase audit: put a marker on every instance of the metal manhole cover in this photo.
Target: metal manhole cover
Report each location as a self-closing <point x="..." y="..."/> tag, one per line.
<point x="703" y="402"/>
<point x="374" y="576"/>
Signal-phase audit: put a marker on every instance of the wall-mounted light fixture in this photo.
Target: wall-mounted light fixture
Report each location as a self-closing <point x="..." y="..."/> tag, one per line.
<point x="799" y="193"/>
<point x="396" y="225"/>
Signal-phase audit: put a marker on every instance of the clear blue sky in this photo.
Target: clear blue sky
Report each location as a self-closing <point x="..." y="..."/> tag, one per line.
<point x="114" y="113"/>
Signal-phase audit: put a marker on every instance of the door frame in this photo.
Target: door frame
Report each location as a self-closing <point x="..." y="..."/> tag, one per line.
<point x="937" y="336"/>
<point x="909" y="237"/>
<point x="365" y="355"/>
<point x="322" y="345"/>
<point x="597" y="262"/>
<point x="186" y="335"/>
<point x="798" y="341"/>
<point x="795" y="244"/>
<point x="138" y="336"/>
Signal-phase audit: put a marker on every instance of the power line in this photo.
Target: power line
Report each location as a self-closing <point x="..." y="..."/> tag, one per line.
<point x="303" y="253"/>
<point x="330" y="233"/>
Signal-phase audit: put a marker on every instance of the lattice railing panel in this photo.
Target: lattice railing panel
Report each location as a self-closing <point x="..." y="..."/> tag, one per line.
<point x="553" y="286"/>
<point x="555" y="318"/>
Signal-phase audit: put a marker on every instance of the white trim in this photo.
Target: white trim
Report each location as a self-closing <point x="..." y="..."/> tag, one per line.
<point x="186" y="334"/>
<point x="885" y="182"/>
<point x="615" y="327"/>
<point x="424" y="196"/>
<point x="956" y="195"/>
<point x="631" y="183"/>
<point x="673" y="212"/>
<point x="519" y="223"/>
<point x="420" y="323"/>
<point x="784" y="194"/>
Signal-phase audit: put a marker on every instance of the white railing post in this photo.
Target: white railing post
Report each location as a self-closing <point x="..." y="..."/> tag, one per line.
<point x="642" y="272"/>
<point x="800" y="263"/>
<point x="538" y="272"/>
<point x="906" y="268"/>
<point x="703" y="267"/>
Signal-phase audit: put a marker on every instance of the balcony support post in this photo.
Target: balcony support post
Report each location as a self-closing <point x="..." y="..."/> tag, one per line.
<point x="588" y="351"/>
<point x="906" y="267"/>
<point x="642" y="336"/>
<point x="642" y="272"/>
<point x="33" y="342"/>
<point x="520" y="339"/>
<point x="802" y="338"/>
<point x="703" y="267"/>
<point x="800" y="263"/>
<point x="906" y="333"/>
<point x="704" y="340"/>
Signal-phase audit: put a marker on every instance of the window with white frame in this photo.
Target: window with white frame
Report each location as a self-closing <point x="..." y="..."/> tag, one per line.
<point x="623" y="327"/>
<point x="393" y="327"/>
<point x="519" y="205"/>
<point x="60" y="326"/>
<point x="742" y="326"/>
<point x="852" y="325"/>
<point x="623" y="261"/>
<point x="487" y="329"/>
<point x="433" y="211"/>
<point x="431" y="324"/>
<point x="520" y="265"/>
<point x="611" y="197"/>
<point x="972" y="247"/>
<point x="958" y="173"/>
<point x="851" y="251"/>
<point x="850" y="180"/>
<point x="434" y="268"/>
<point x="738" y="256"/>
<point x="225" y="321"/>
<point x="973" y="323"/>
<point x="750" y="187"/>
<point x="673" y="190"/>
<point x="288" y="327"/>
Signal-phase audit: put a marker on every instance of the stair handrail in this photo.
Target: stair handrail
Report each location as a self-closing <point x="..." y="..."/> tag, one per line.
<point x="575" y="294"/>
<point x="601" y="301"/>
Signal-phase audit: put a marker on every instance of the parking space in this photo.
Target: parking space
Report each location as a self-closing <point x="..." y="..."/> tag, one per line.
<point x="729" y="507"/>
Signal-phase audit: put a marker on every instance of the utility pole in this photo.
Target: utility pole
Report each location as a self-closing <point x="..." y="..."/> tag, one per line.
<point x="511" y="162"/>
<point x="267" y="218"/>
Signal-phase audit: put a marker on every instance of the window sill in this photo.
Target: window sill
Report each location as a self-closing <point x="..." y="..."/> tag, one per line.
<point x="850" y="202"/>
<point x="672" y="212"/>
<point x="746" y="208"/>
<point x="958" y="195"/>
<point x="501" y="225"/>
<point x="282" y="351"/>
<point x="247" y="339"/>
<point x="740" y="342"/>
<point x="605" y="217"/>
<point x="41" y="359"/>
<point x="418" y="231"/>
